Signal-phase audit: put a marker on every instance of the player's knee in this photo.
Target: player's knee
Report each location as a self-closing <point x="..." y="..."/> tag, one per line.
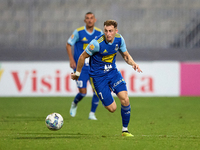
<point x="125" y="101"/>
<point x="83" y="91"/>
<point x="111" y="108"/>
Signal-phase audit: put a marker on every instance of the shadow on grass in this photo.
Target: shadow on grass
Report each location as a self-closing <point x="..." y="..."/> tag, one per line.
<point x="57" y="137"/>
<point x="50" y="135"/>
<point x="21" y="118"/>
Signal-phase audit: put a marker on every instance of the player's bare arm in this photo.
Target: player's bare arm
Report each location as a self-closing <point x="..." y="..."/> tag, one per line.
<point x="80" y="64"/>
<point x="129" y="60"/>
<point x="71" y="58"/>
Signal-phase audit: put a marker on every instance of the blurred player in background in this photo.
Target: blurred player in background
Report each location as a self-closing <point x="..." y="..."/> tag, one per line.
<point x="80" y="38"/>
<point x="104" y="76"/>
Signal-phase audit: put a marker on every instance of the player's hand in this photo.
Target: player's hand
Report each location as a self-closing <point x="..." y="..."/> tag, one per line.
<point x="72" y="64"/>
<point x="137" y="68"/>
<point x="74" y="76"/>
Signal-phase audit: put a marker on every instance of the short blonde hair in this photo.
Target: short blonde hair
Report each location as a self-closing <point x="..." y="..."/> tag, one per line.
<point x="110" y="22"/>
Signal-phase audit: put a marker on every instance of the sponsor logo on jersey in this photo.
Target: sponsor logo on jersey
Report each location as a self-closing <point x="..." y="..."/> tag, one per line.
<point x="118" y="82"/>
<point x="84" y="39"/>
<point x="107" y="68"/>
<point x="91" y="47"/>
<point x="108" y="58"/>
<point x="116" y="47"/>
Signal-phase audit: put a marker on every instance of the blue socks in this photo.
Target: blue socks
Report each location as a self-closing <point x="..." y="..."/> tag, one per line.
<point x="78" y="98"/>
<point x="95" y="102"/>
<point x="125" y="113"/>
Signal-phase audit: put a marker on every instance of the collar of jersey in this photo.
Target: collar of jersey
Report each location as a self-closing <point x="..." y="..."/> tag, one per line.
<point x="89" y="32"/>
<point x="109" y="42"/>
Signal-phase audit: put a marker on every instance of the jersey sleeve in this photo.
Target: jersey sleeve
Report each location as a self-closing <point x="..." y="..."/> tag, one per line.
<point x="92" y="47"/>
<point x="123" y="45"/>
<point x="73" y="38"/>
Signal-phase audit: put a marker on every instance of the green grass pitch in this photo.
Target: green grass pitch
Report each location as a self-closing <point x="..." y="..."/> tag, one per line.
<point x="158" y="123"/>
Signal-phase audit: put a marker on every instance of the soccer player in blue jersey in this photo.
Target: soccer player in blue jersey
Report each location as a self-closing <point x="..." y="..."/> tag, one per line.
<point x="80" y="38"/>
<point x="103" y="73"/>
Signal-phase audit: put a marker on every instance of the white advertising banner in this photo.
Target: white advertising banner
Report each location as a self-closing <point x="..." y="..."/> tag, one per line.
<point x="53" y="79"/>
<point x="158" y="78"/>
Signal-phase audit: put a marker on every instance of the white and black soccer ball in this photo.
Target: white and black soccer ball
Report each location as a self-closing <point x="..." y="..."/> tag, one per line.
<point x="54" y="121"/>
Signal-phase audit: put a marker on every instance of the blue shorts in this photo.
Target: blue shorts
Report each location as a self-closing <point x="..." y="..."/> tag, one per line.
<point x="82" y="80"/>
<point x="104" y="85"/>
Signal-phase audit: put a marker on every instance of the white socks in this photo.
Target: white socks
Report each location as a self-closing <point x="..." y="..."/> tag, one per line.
<point x="91" y="113"/>
<point x="124" y="129"/>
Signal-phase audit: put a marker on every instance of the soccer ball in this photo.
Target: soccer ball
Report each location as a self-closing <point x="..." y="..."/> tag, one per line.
<point x="54" y="121"/>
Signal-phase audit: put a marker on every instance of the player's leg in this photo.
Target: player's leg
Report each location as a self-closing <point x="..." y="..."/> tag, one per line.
<point x="125" y="112"/>
<point x="77" y="99"/>
<point x="125" y="108"/>
<point x="81" y="84"/>
<point x="118" y="86"/>
<point x="103" y="92"/>
<point x="94" y="104"/>
<point x="82" y="93"/>
<point x="112" y="107"/>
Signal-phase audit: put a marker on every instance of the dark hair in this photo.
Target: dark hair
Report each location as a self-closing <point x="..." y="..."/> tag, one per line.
<point x="110" y="22"/>
<point x="89" y="13"/>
